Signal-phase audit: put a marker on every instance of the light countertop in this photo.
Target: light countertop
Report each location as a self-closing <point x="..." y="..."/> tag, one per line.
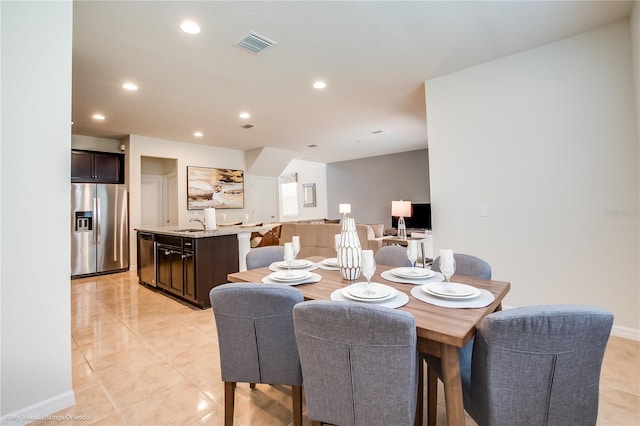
<point x="198" y="232"/>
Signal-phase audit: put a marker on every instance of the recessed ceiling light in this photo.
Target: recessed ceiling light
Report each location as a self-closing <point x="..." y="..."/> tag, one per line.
<point x="245" y="115"/>
<point x="130" y="86"/>
<point x="319" y="85"/>
<point x="190" y="27"/>
<point x="198" y="134"/>
<point x="375" y="132"/>
<point x="313" y="145"/>
<point x="98" y="117"/>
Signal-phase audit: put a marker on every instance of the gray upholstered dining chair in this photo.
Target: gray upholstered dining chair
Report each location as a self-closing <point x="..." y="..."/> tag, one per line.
<point x="395" y="256"/>
<point x="536" y="365"/>
<point x="359" y="363"/>
<point x="259" y="257"/>
<point x="467" y="265"/>
<point x="256" y="339"/>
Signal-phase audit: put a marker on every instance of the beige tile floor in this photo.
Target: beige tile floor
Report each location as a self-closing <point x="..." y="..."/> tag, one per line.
<point x="141" y="358"/>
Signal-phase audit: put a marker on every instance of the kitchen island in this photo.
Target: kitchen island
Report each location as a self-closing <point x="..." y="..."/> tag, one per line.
<point x="188" y="263"/>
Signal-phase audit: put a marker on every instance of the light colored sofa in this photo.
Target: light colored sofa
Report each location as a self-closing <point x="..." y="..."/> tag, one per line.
<point x="318" y="239"/>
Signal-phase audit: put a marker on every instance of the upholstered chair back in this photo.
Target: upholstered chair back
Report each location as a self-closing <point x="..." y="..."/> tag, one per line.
<point x="395" y="256"/>
<point x="259" y="257"/>
<point x="467" y="265"/>
<point x="359" y="363"/>
<point x="256" y="339"/>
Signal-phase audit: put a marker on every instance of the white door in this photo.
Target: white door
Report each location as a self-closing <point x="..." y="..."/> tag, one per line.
<point x="151" y="206"/>
<point x="171" y="195"/>
<point x="265" y="199"/>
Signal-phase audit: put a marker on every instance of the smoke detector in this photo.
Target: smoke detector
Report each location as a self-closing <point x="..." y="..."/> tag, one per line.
<point x="255" y="42"/>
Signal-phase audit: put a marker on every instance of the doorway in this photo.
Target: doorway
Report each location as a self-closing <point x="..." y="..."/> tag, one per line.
<point x="158" y="191"/>
<point x="264" y="195"/>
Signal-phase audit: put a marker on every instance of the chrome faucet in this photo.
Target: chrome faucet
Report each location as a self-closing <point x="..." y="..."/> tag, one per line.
<point x="195" y="219"/>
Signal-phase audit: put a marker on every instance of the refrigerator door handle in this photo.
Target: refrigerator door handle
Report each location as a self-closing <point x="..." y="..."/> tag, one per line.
<point x="96" y="214"/>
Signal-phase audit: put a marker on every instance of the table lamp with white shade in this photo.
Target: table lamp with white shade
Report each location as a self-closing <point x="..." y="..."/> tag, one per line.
<point x="344" y="209"/>
<point x="401" y="209"/>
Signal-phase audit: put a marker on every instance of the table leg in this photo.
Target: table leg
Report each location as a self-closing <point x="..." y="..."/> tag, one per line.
<point x="452" y="385"/>
<point x="420" y="396"/>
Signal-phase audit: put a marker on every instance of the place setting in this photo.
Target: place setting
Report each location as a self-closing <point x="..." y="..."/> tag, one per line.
<point x="412" y="274"/>
<point x="371" y="292"/>
<point x="298" y="264"/>
<point x="448" y="294"/>
<point x="329" y="264"/>
<point x="291" y="271"/>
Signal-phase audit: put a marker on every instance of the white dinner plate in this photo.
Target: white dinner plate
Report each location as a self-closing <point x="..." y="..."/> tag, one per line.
<point x="332" y="261"/>
<point x="460" y="298"/>
<point x="312" y="278"/>
<point x="297" y="264"/>
<point x="433" y="278"/>
<point x="346" y="294"/>
<point x="484" y="299"/>
<point x="412" y="272"/>
<point x="361" y="291"/>
<point x="399" y="299"/>
<point x="289" y="275"/>
<point x="451" y="290"/>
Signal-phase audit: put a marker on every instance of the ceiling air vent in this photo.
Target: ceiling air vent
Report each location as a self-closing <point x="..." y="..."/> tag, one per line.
<point x="248" y="126"/>
<point x="255" y="42"/>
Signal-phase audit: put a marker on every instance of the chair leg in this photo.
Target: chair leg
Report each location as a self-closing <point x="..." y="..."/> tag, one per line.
<point x="432" y="396"/>
<point x="296" y="395"/>
<point x="252" y="385"/>
<point x="229" y="397"/>
<point x="420" y="396"/>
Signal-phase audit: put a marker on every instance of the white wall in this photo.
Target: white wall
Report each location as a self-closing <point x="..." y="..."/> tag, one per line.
<point x="95" y="144"/>
<point x="186" y="154"/>
<point x="635" y="54"/>
<point x="309" y="172"/>
<point x="548" y="139"/>
<point x="35" y="310"/>
<point x="401" y="176"/>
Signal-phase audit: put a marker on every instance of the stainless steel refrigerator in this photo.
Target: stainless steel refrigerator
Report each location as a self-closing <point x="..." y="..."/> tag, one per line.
<point x="99" y="229"/>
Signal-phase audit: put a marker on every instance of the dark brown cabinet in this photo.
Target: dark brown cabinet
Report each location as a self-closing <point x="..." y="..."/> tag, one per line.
<point x="92" y="166"/>
<point x="190" y="267"/>
<point x="170" y="269"/>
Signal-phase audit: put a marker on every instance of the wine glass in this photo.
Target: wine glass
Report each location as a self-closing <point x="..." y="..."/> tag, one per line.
<point x="368" y="269"/>
<point x="447" y="264"/>
<point x="289" y="257"/>
<point x="295" y="242"/>
<point x="412" y="253"/>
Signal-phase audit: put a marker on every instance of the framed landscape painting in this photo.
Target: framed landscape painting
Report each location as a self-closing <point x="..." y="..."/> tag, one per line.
<point x="218" y="188"/>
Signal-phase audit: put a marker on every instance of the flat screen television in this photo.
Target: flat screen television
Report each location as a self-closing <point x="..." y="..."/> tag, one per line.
<point x="420" y="217"/>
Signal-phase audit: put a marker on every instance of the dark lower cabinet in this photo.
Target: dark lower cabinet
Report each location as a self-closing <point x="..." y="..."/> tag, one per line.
<point x="189" y="277"/>
<point x="190" y="267"/>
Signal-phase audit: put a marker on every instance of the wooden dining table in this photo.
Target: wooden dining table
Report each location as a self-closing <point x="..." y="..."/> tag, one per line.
<point x="440" y="331"/>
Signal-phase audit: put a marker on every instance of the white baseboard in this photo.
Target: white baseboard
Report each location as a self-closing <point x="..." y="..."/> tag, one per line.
<point x="626" y="332"/>
<point x="42" y="411"/>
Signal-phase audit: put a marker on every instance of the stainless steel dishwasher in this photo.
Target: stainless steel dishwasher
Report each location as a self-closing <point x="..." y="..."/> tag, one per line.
<point x="147" y="258"/>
